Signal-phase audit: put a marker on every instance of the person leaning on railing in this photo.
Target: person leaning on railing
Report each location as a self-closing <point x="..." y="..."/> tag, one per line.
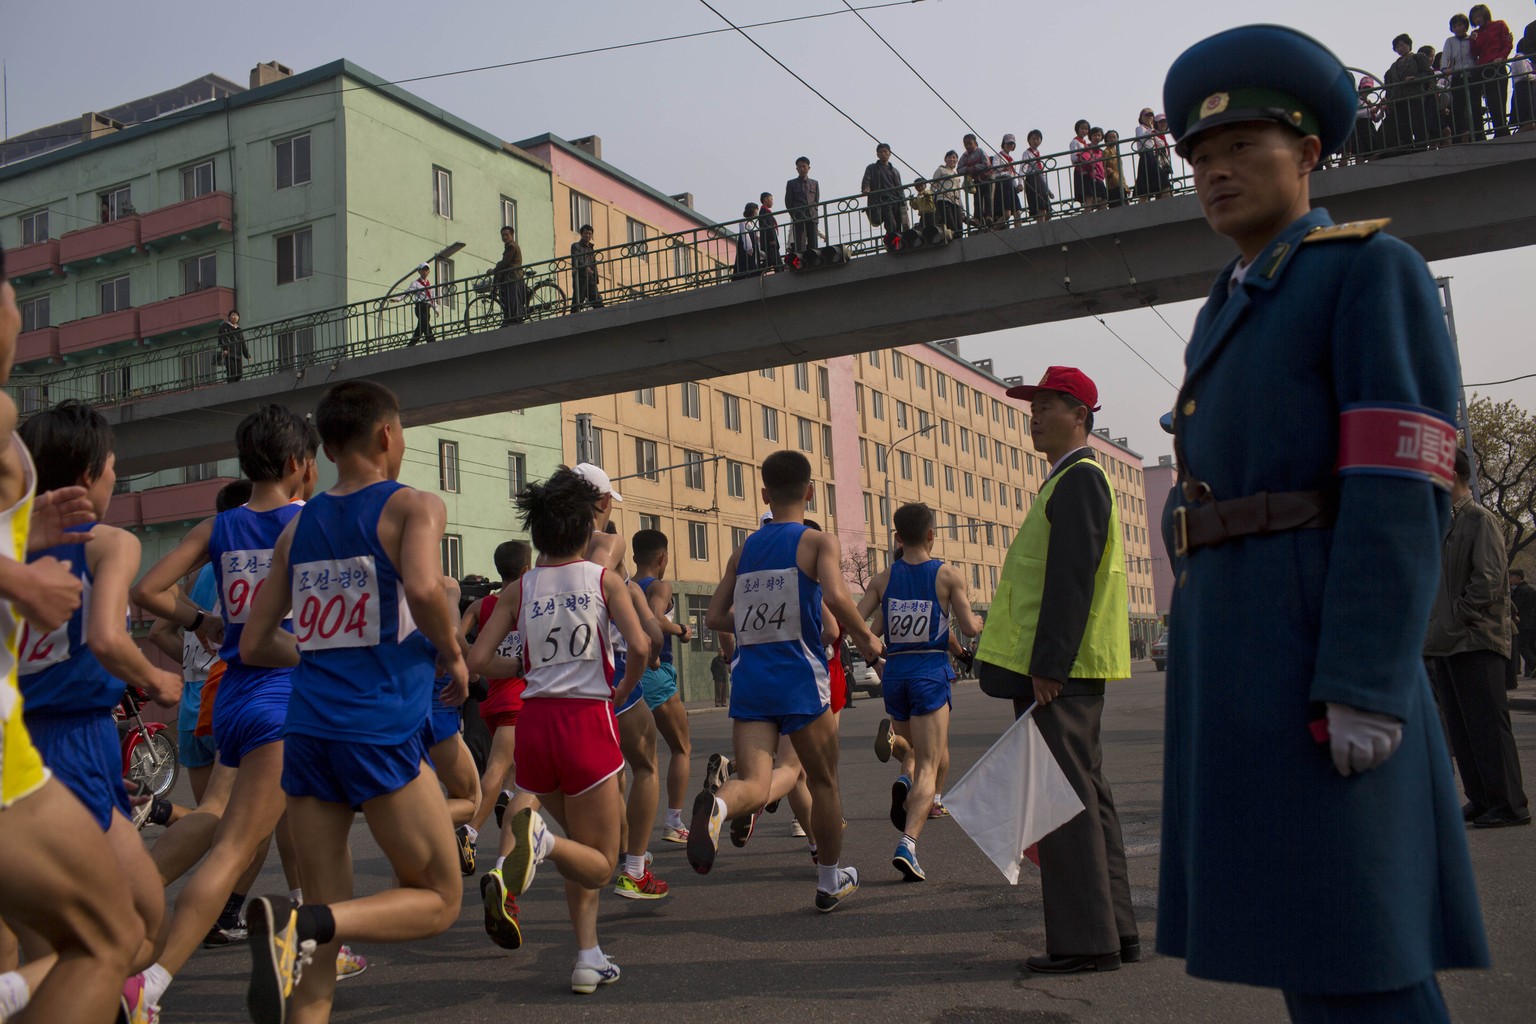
<point x="977" y="168"/>
<point x="1523" y="105"/>
<point x="1491" y="45"/>
<point x="584" y="291"/>
<point x="1458" y="63"/>
<point x="949" y="193"/>
<point x="1410" y="98"/>
<point x="508" y="278"/>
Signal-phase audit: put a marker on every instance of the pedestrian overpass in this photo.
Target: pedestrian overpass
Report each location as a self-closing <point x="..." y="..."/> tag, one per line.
<point x="677" y="312"/>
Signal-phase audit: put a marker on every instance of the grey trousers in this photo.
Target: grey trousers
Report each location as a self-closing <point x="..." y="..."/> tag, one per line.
<point x="1083" y="879"/>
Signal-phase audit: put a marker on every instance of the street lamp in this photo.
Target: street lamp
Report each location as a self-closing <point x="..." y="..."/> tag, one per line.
<point x="890" y="513"/>
<point x="447" y="252"/>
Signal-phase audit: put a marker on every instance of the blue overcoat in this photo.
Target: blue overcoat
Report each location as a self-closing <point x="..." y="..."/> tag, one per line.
<point x="1276" y="870"/>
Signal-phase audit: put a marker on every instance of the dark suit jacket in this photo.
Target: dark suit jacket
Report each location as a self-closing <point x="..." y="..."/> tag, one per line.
<point x="799" y="194"/>
<point x="768" y="238"/>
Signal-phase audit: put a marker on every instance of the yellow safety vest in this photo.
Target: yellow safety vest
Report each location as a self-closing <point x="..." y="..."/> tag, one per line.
<point x="1009" y="637"/>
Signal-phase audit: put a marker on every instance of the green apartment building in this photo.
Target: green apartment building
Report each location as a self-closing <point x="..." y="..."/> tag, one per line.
<point x="143" y="226"/>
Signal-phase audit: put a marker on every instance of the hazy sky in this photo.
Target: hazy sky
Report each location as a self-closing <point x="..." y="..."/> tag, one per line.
<point x="715" y="117"/>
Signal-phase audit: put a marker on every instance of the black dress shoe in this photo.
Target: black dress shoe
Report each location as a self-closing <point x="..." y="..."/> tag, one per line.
<point x="1048" y="964"/>
<point x="1130" y="949"/>
<point x="1471" y="812"/>
<point x="1496" y="819"/>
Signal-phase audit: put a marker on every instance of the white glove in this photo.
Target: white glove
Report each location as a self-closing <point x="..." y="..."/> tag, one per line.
<point x="1361" y="740"/>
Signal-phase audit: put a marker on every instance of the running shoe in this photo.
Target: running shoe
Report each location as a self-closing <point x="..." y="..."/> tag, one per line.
<point x="222" y="936"/>
<point x="349" y="964"/>
<point x="674" y="834"/>
<point x="135" y="1007"/>
<point x="501" y="805"/>
<point x="796" y="830"/>
<point x="847" y="885"/>
<point x="584" y="979"/>
<point x="883" y="740"/>
<point x="531" y="836"/>
<point x="771" y="807"/>
<point x="650" y="858"/>
<point x="646" y="887"/>
<point x="741" y="828"/>
<point x="905" y="861"/>
<point x="938" y="810"/>
<point x="278" y="957"/>
<point x="466" y="850"/>
<point x="899" y="790"/>
<point x="500" y="911"/>
<point x="704" y="833"/>
<point x="716" y="772"/>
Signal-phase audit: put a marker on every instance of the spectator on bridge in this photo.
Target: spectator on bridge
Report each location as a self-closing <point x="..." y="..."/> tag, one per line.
<point x="1037" y="194"/>
<point x="1410" y="98"/>
<point x="1368" y="114"/>
<point x="1144" y="146"/>
<point x="1009" y="184"/>
<point x="584" y="290"/>
<point x="882" y="184"/>
<point x="949" y="193"/>
<point x="802" y="198"/>
<point x="923" y="204"/>
<point x="1522" y="108"/>
<point x="1075" y="151"/>
<point x="507" y="276"/>
<point x="1094" y="170"/>
<point x="1114" y="173"/>
<point x="1458" y="64"/>
<point x="233" y="350"/>
<point x="977" y="168"/>
<point x="419" y="294"/>
<point x="1491" y="45"/>
<point x="768" y="235"/>
<point x="749" y="261"/>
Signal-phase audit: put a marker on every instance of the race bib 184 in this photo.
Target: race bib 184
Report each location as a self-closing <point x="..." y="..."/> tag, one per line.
<point x="768" y="606"/>
<point x="336" y="604"/>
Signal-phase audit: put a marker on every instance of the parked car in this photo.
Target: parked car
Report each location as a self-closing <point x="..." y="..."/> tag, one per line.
<point x="862" y="678"/>
<point x="1160" y="653"/>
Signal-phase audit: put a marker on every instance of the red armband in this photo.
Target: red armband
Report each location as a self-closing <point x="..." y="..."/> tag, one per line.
<point x="1397" y="440"/>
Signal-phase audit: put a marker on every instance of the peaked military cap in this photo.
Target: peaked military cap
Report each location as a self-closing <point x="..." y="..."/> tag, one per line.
<point x="1260" y="73"/>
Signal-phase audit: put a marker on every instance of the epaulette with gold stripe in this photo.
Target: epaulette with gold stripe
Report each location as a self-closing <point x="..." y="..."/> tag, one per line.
<point x="1351" y="229"/>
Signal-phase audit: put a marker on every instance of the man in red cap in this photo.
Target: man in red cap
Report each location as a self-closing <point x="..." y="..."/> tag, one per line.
<point x="1056" y="631"/>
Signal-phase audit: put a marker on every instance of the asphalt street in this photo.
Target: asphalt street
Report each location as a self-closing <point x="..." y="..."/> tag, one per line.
<point x="746" y="944"/>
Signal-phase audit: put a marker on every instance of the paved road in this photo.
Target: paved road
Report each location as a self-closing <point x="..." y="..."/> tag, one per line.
<point x="745" y="944"/>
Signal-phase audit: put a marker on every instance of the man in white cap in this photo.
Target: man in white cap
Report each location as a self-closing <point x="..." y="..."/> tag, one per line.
<point x="419" y="292"/>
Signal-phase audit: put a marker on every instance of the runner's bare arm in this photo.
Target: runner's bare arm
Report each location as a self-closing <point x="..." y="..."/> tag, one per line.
<point x="628" y="622"/>
<point x="264" y="641"/>
<point x="829" y="573"/>
<point x="420" y="566"/>
<point x="156" y="590"/>
<point x="45" y="592"/>
<point x="873" y="594"/>
<point x="113" y="557"/>
<point x="483" y="659"/>
<point x="952" y="592"/>
<point x="648" y="620"/>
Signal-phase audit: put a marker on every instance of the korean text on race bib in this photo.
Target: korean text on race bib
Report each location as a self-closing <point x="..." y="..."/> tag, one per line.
<point x="241" y="575"/>
<point x="563" y="628"/>
<point x="767" y="606"/>
<point x="511" y="646"/>
<point x="336" y="604"/>
<point x="908" y="622"/>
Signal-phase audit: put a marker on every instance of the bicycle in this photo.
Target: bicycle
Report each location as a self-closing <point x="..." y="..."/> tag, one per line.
<point x="483" y="311"/>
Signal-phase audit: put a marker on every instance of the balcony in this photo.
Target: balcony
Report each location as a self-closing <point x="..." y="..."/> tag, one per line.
<point x="41" y="345"/>
<point x="100" y="243"/>
<point x="33" y="262"/>
<point x="93" y="332"/>
<point x="185" y="313"/>
<point x="188" y="219"/>
<point x="175" y="503"/>
<point x="125" y="511"/>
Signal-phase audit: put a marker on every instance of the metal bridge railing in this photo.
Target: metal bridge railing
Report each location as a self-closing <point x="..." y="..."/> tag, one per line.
<point x="1402" y="117"/>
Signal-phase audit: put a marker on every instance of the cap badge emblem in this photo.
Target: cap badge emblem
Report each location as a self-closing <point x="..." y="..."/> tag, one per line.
<point x="1215" y="103"/>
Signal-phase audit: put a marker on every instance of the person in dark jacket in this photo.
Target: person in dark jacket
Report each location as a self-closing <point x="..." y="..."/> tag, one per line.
<point x="749" y="256"/>
<point x="233" y="351"/>
<point x="508" y="278"/>
<point x="802" y="198"/>
<point x="1523" y="596"/>
<point x="584" y="291"/>
<point x="882" y="184"/>
<point x="768" y="234"/>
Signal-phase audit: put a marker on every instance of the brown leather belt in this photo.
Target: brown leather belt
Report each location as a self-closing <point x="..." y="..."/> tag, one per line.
<point x="1203" y="526"/>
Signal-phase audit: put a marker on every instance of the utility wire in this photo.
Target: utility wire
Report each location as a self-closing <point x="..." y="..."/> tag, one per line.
<point x="1491" y="383"/>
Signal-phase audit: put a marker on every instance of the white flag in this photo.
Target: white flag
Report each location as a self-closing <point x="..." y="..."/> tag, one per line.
<point x="1014" y="795"/>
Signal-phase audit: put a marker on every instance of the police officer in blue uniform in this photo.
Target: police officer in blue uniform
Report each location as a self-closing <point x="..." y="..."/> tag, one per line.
<point x="1312" y="840"/>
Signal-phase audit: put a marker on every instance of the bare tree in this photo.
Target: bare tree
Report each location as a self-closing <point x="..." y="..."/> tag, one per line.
<point x="859" y="569"/>
<point x="1504" y="441"/>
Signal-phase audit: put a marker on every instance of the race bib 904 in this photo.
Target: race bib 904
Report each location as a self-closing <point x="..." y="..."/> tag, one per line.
<point x="241" y="575"/>
<point x="908" y="622"/>
<point x="336" y="604"/>
<point x="563" y="628"/>
<point x="767" y="606"/>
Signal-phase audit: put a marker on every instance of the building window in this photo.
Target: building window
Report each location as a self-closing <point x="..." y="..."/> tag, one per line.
<point x="824" y="383"/>
<point x="199" y="472"/>
<point x="693" y="469"/>
<point x="682" y="260"/>
<point x="443" y="278"/>
<point x="897" y="369"/>
<point x="901" y="415"/>
<point x="114" y="294"/>
<point x="199" y="272"/>
<point x="635" y="233"/>
<point x="295" y="349"/>
<point x="949" y="478"/>
<point x="863" y="453"/>
<point x="986" y="489"/>
<point x="924" y="421"/>
<point x="880" y="458"/>
<point x="965" y="439"/>
<point x="36" y="313"/>
<point x="885" y="510"/>
<point x="581" y="210"/>
<point x="30" y="400"/>
<point x="978" y="406"/>
<point x="738" y="537"/>
<point x="928" y="472"/>
<point x="442" y="193"/>
<point x="905" y="462"/>
<point x="831" y="499"/>
<point x="919" y="374"/>
<point x="992" y="577"/>
<point x="869" y="507"/>
<point x="646" y="396"/>
<point x="997" y="411"/>
<point x="810" y="501"/>
<point x="735" y="479"/>
<point x="944" y="431"/>
<point x="646" y="466"/>
<point x="698" y="541"/>
<point x="648" y="522"/>
<point x="597" y="449"/>
<point x="877" y="404"/>
<point x="517" y="474"/>
<point x="802" y="377"/>
<point x="970" y="486"/>
<point x="826" y="441"/>
<point x="293" y="161"/>
<point x="858" y="398"/>
<point x="197" y="180"/>
<point x="770" y="424"/>
<point x="295" y="256"/>
<point x="1014" y="455"/>
<point x="34" y="228"/>
<point x="874" y="359"/>
<point x="693" y="408"/>
<point x="116" y="203"/>
<point x="940" y="385"/>
<point x="807" y="431"/>
<point x="509" y="213"/>
<point x="113" y="385"/>
<point x="452" y="550"/>
<point x="976" y="576"/>
<point x="960" y="394"/>
<point x="768" y="373"/>
<point x="1010" y="417"/>
<point x="448" y="466"/>
<point x="997" y="451"/>
<point x="732" y="408"/>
